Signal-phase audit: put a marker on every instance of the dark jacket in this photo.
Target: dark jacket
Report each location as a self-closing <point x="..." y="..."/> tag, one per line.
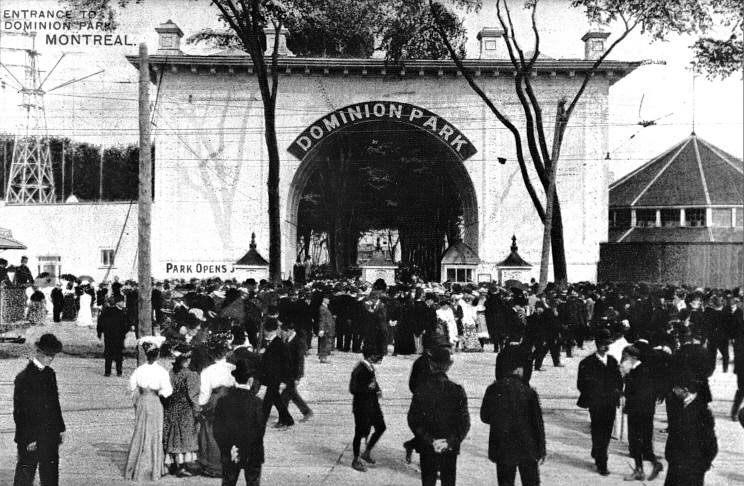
<point x="640" y="391"/>
<point x="239" y="421"/>
<point x="365" y="389"/>
<point x="112" y="324"/>
<point x="439" y="410"/>
<point x="275" y="366"/>
<point x="36" y="409"/>
<point x="22" y="275"/>
<point x="599" y="385"/>
<point x="296" y="349"/>
<point x="420" y="372"/>
<point x="512" y="409"/>
<point x="691" y="367"/>
<point x="692" y="437"/>
<point x="57" y="297"/>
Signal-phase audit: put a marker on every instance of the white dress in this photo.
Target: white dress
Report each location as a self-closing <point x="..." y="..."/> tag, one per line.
<point x="84" y="317"/>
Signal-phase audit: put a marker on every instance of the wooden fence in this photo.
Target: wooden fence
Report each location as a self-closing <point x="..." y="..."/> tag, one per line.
<point x="699" y="264"/>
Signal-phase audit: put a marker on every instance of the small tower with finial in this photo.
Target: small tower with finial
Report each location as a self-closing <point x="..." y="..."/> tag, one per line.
<point x="252" y="265"/>
<point x="513" y="267"/>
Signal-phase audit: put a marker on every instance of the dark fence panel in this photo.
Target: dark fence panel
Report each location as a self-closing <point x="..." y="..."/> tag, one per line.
<point x="703" y="264"/>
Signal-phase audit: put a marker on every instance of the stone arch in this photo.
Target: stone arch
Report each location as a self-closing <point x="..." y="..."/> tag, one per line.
<point x="437" y="129"/>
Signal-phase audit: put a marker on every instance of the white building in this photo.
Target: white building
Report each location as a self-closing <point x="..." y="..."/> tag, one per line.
<point x="211" y="169"/>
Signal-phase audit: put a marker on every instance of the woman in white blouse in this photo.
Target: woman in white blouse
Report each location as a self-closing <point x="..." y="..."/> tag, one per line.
<point x="149" y="382"/>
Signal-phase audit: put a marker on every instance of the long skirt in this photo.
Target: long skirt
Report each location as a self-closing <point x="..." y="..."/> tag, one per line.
<point x="36" y="313"/>
<point x="210" y="457"/>
<point x="146" y="458"/>
<point x="470" y="342"/>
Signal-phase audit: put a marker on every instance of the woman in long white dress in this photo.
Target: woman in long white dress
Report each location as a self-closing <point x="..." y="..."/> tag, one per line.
<point x="149" y="382"/>
<point x="85" y="316"/>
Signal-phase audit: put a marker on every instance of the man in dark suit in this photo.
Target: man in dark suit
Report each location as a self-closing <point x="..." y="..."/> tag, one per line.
<point x="691" y="444"/>
<point x="600" y="386"/>
<point x="517" y="435"/>
<point x="296" y="347"/>
<point x="113" y="326"/>
<point x="239" y="427"/>
<point x="275" y="373"/>
<point x="132" y="298"/>
<point x="40" y="428"/>
<point x="23" y="275"/>
<point x="157" y="302"/>
<point x="58" y="302"/>
<point x="641" y="393"/>
<point x="440" y="421"/>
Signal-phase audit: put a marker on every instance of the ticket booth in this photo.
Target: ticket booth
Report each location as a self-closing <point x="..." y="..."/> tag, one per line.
<point x="459" y="264"/>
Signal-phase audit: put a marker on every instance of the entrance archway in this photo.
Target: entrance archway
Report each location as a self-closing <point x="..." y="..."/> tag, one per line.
<point x="376" y="134"/>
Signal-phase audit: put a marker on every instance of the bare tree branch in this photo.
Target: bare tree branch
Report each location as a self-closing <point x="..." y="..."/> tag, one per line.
<point x="500" y="116"/>
<point x="589" y="74"/>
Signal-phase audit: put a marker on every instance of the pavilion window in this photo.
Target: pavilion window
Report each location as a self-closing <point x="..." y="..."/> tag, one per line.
<point x="451" y="275"/>
<point x="620" y="218"/>
<point x="669" y="218"/>
<point x="721" y="217"/>
<point x="739" y="217"/>
<point x="645" y="218"/>
<point x="695" y="217"/>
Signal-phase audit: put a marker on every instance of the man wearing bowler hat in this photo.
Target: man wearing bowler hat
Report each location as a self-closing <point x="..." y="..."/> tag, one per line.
<point x="40" y="428"/>
<point x="439" y="419"/>
<point x="600" y="386"/>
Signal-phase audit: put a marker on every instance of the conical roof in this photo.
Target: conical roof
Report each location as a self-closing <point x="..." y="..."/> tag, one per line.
<point x="692" y="173"/>
<point x="460" y="254"/>
<point x="514" y="260"/>
<point x="253" y="258"/>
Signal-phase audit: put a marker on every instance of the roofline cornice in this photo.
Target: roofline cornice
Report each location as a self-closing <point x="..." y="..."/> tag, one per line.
<point x="232" y="64"/>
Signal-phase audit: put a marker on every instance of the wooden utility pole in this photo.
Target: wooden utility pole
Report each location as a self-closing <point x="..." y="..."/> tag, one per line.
<point x="552" y="174"/>
<point x="100" y="176"/>
<point x="144" y="321"/>
<point x="63" y="171"/>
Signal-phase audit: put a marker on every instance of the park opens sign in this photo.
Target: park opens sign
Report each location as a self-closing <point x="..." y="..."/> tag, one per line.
<point x="371" y="111"/>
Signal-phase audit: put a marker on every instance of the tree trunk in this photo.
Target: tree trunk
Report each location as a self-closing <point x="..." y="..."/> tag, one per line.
<point x="560" y="273"/>
<point x="275" y="231"/>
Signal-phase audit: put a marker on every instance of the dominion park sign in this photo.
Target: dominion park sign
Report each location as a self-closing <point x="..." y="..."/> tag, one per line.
<point x="371" y="111"/>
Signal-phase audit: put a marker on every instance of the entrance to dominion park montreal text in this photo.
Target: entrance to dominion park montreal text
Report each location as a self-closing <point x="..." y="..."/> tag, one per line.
<point x="389" y="167"/>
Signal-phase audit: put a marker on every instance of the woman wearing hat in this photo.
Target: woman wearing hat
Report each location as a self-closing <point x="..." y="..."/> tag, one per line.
<point x="149" y="382"/>
<point x="181" y="444"/>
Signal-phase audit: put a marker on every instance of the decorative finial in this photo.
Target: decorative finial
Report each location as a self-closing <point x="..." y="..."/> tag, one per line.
<point x="253" y="241"/>
<point x="514" y="243"/>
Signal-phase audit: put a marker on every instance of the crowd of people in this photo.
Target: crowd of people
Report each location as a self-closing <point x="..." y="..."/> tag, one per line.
<point x="227" y="340"/>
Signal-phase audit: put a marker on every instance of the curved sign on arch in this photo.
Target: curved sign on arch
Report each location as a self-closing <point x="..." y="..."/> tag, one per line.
<point x="368" y="111"/>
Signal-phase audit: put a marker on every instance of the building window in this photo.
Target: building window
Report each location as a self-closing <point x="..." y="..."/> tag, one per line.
<point x="721" y="218"/>
<point x="619" y="218"/>
<point x="669" y="218"/>
<point x="739" y="217"/>
<point x="460" y="274"/>
<point x="645" y="218"/>
<point x="695" y="217"/>
<point x="107" y="257"/>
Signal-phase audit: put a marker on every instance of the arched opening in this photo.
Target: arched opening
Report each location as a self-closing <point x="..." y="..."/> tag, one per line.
<point x="398" y="177"/>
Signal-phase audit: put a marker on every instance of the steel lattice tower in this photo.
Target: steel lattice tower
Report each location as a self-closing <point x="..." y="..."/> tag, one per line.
<point x="31" y="179"/>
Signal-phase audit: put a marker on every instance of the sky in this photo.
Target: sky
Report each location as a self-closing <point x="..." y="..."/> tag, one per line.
<point x="103" y="108"/>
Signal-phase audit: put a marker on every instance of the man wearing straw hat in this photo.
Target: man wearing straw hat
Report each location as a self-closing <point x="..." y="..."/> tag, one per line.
<point x="40" y="428"/>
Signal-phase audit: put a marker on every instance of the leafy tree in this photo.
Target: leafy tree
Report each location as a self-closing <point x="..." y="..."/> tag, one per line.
<point x="720" y="58"/>
<point x="656" y="18"/>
